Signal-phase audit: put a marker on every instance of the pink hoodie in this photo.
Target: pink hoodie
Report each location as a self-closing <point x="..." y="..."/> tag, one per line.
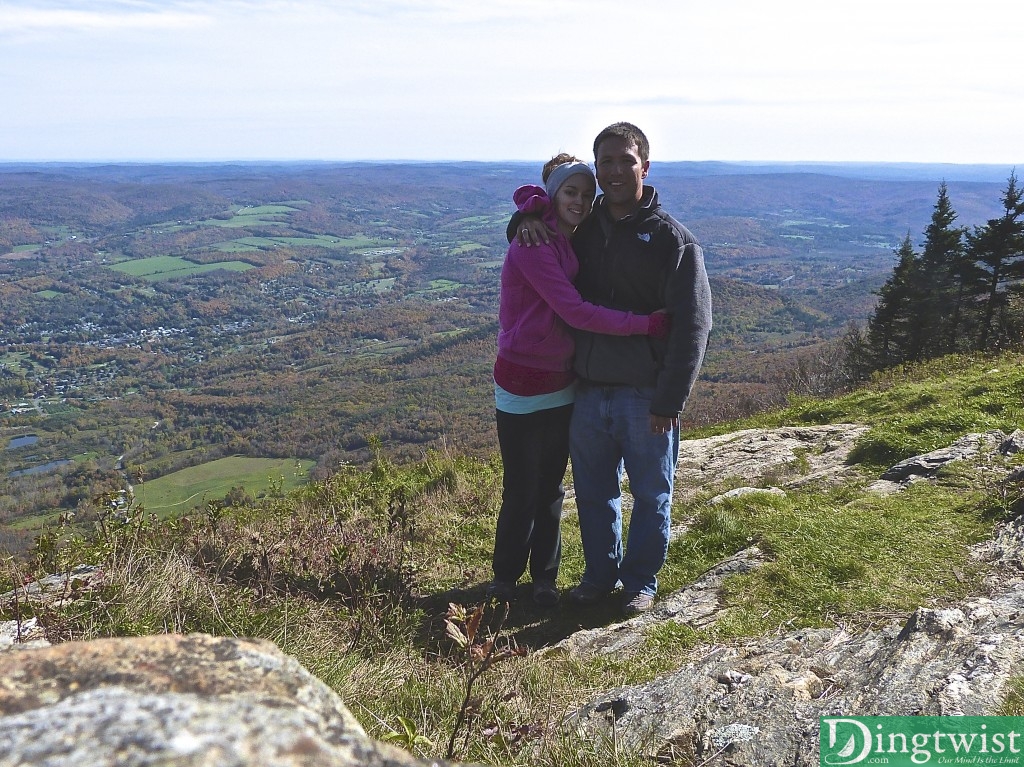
<point x="539" y="301"/>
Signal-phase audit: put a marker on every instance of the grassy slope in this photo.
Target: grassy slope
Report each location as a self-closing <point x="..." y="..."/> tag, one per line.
<point x="354" y="575"/>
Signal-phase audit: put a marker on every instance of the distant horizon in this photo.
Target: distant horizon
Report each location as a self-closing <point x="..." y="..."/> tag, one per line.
<point x="464" y="161"/>
<point x="908" y="170"/>
<point x="215" y="81"/>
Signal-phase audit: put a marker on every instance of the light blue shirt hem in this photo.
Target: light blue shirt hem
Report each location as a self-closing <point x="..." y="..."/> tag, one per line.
<point x="517" y="404"/>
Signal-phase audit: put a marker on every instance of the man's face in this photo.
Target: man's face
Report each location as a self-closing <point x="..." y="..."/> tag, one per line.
<point x="620" y="172"/>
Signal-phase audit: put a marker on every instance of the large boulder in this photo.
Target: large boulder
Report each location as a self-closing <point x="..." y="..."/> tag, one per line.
<point x="194" y="701"/>
<point x="797" y="454"/>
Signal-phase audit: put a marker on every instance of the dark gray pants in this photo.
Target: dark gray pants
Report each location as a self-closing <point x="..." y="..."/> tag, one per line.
<point x="534" y="453"/>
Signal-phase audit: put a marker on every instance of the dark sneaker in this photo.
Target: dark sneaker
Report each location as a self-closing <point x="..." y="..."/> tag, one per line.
<point x="634" y="604"/>
<point x="587" y="594"/>
<point x="545" y="593"/>
<point x="501" y="591"/>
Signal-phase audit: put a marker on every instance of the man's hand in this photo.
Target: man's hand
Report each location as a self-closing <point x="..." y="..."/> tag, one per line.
<point x="533" y="231"/>
<point x="661" y="424"/>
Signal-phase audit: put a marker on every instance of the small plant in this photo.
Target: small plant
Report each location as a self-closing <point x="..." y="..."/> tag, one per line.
<point x="408" y="737"/>
<point x="463" y="627"/>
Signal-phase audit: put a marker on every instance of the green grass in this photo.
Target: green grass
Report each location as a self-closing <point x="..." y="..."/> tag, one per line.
<point x="188" y="488"/>
<point x="267" y="210"/>
<point x="236" y="246"/>
<point x="440" y="286"/>
<point x="244" y="244"/>
<point x="829" y="556"/>
<point x="260" y="215"/>
<point x="171" y="267"/>
<point x="916" y="409"/>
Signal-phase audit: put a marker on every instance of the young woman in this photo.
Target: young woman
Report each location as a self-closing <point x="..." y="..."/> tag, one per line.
<point x="533" y="377"/>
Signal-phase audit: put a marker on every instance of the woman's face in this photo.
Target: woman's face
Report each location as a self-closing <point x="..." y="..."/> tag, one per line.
<point x="573" y="201"/>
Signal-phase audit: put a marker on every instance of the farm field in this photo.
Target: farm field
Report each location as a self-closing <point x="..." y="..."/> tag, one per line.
<point x="168" y="267"/>
<point x="184" y="490"/>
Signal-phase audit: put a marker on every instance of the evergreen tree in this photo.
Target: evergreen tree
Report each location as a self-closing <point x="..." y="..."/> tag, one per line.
<point x="941" y="277"/>
<point x="894" y="335"/>
<point x="996" y="251"/>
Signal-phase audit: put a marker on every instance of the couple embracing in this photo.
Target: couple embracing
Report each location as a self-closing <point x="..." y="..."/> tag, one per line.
<point x="605" y="315"/>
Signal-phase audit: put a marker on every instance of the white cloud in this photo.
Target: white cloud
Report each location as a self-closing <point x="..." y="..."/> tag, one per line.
<point x="33" y="17"/>
<point x="509" y="79"/>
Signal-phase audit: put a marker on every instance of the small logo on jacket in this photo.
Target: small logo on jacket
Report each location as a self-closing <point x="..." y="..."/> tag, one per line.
<point x="645" y="236"/>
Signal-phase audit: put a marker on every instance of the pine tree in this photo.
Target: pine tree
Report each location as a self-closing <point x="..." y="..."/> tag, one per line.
<point x="894" y="335"/>
<point x="996" y="251"/>
<point x="942" y="275"/>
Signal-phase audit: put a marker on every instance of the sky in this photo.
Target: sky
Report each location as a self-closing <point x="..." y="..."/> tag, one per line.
<point x="932" y="81"/>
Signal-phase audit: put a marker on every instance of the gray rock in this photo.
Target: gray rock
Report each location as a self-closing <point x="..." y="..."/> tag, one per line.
<point x="22" y="635"/>
<point x="1013" y="444"/>
<point x="54" y="589"/>
<point x="195" y="701"/>
<point x="759" y="703"/>
<point x="697" y="604"/>
<point x="740" y="492"/>
<point x="800" y="454"/>
<point x="968" y="446"/>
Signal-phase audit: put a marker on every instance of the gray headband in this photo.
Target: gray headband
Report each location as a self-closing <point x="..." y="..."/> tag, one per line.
<point x="562" y="172"/>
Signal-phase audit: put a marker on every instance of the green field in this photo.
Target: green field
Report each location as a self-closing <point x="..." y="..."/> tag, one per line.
<point x="235" y="246"/>
<point x="188" y="488"/>
<point x="242" y="244"/>
<point x="440" y="286"/>
<point x="266" y="210"/>
<point x="259" y="215"/>
<point x="171" y="267"/>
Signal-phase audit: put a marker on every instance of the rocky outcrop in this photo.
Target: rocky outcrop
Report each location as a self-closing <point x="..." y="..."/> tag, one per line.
<point x="193" y="701"/>
<point x="759" y="702"/>
<point x="790" y="455"/>
<point x="697" y="604"/>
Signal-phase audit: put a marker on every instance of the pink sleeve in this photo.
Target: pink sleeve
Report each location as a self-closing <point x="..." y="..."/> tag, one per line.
<point x="540" y="267"/>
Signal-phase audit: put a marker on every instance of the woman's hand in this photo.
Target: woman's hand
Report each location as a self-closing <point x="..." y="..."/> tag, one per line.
<point x="533" y="231"/>
<point x="659" y="324"/>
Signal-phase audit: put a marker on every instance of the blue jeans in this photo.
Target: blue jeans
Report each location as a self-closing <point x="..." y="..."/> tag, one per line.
<point x="610" y="433"/>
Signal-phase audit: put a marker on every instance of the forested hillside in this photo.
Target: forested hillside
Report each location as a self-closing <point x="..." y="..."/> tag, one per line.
<point x="154" y="318"/>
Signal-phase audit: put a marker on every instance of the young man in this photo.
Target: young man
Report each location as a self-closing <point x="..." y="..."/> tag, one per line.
<point x="633" y="256"/>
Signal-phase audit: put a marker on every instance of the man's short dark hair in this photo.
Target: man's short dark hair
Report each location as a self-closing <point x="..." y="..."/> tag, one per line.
<point x="630" y="133"/>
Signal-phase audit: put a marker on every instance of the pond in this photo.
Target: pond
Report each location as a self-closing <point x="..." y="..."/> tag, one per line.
<point x="40" y="468"/>
<point x="23" y="441"/>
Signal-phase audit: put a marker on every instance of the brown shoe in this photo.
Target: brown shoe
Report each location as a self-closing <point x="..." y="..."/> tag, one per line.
<point x="634" y="604"/>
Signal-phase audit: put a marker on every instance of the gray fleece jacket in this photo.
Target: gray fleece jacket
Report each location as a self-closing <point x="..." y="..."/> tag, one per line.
<point x="641" y="263"/>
